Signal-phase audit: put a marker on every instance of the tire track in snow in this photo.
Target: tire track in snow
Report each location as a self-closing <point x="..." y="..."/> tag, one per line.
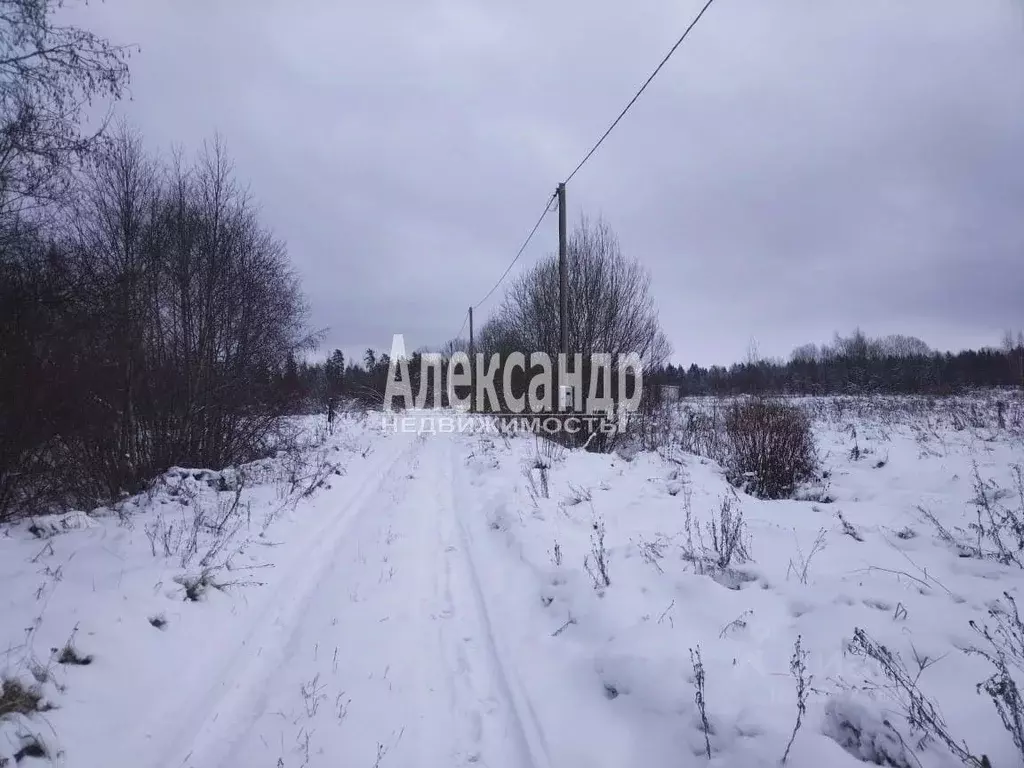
<point x="420" y="660"/>
<point x="521" y="718"/>
<point x="419" y="666"/>
<point x="463" y="718"/>
<point x="209" y="723"/>
<point x="465" y="678"/>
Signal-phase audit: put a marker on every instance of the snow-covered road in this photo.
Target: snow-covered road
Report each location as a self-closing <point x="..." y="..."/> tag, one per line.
<point x="391" y="600"/>
<point x="375" y="643"/>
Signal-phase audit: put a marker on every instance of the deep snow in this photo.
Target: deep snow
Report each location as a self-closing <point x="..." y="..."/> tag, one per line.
<point x="437" y="600"/>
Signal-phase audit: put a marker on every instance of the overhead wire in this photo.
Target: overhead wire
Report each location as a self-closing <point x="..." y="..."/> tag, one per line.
<point x="464" y="321"/>
<point x="636" y="96"/>
<point x="519" y="253"/>
<point x="587" y="156"/>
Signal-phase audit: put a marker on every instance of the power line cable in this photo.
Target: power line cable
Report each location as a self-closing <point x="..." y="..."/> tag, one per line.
<point x="464" y="321"/>
<point x="643" y="87"/>
<point x="522" y="249"/>
<point x="600" y="141"/>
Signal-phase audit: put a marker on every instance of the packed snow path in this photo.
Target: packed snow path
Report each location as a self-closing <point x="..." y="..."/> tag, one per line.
<point x="375" y="646"/>
<point x="386" y="600"/>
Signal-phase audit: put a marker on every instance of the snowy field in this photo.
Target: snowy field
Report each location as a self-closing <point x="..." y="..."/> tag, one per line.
<point x="379" y="600"/>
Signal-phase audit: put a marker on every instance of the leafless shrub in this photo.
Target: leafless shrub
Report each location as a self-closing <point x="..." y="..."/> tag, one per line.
<point x="728" y="535"/>
<point x="197" y="585"/>
<point x="740" y="622"/>
<point x="218" y="545"/>
<point x="382" y="752"/>
<point x="578" y="495"/>
<point x="302" y="470"/>
<point x="160" y="535"/>
<point x="1005" y="648"/>
<point x="293" y="461"/>
<point x="798" y="669"/>
<point x="801" y="567"/>
<point x="771" y="448"/>
<point x="229" y="509"/>
<point x="341" y="705"/>
<point x="865" y="735"/>
<point x="920" y="712"/>
<point x="997" y="531"/>
<point x="313" y="695"/>
<point x="653" y="551"/>
<point x="319" y="473"/>
<point x="202" y="528"/>
<point x="596" y="563"/>
<point x="699" y="697"/>
<point x="533" y="488"/>
<point x="946" y="535"/>
<point x="848" y="528"/>
<point x="652" y="426"/>
<point x="548" y="452"/>
<point x="702" y="432"/>
<point x="41" y="673"/>
<point x="693" y="550"/>
<point x="70" y="654"/>
<point x="1002" y="526"/>
<point x="855" y="452"/>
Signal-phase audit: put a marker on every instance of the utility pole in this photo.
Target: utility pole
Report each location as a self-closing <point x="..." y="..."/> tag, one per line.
<point x="472" y="379"/>
<point x="563" y="287"/>
<point x="563" y="276"/>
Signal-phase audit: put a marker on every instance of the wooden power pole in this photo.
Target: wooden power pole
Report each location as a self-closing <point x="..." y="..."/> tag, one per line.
<point x="472" y="379"/>
<point x="563" y="276"/>
<point x="563" y="288"/>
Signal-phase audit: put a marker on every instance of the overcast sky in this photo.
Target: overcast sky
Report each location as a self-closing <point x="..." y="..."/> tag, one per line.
<point x="799" y="167"/>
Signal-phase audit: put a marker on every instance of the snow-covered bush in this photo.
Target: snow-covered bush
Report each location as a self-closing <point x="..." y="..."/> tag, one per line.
<point x="996" y="530"/>
<point x="702" y="432"/>
<point x="874" y="739"/>
<point x="770" y="448"/>
<point x="1004" y="650"/>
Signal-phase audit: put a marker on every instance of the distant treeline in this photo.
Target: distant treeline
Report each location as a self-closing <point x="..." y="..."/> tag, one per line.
<point x="858" y="364"/>
<point x="850" y="365"/>
<point x="335" y="382"/>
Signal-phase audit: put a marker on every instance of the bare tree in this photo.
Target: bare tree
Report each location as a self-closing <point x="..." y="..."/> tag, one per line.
<point x="230" y="314"/>
<point x="611" y="307"/>
<point x="1014" y="349"/>
<point x="152" y="331"/>
<point x="610" y="311"/>
<point x="34" y="344"/>
<point x="49" y="73"/>
<point x="114" y="221"/>
<point x="147" y="324"/>
<point x="900" y="346"/>
<point x="806" y="353"/>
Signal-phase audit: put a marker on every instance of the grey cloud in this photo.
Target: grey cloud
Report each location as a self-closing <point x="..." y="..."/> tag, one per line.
<point x="800" y="167"/>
